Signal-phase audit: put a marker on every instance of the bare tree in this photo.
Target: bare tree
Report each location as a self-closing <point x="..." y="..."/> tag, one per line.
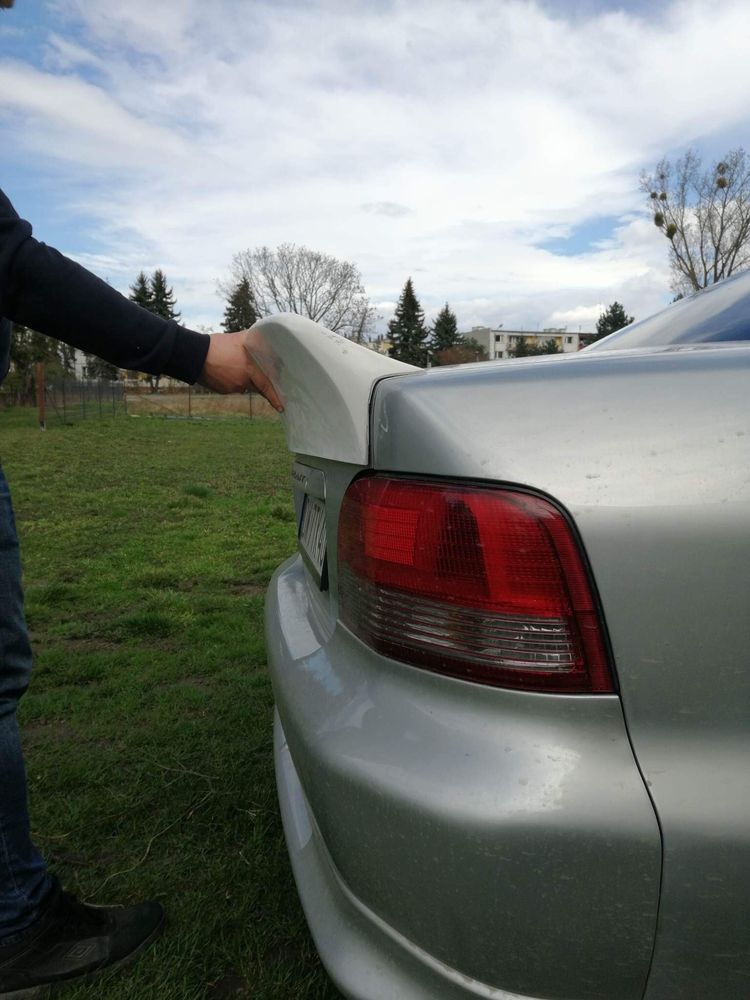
<point x="705" y="215"/>
<point x="295" y="279"/>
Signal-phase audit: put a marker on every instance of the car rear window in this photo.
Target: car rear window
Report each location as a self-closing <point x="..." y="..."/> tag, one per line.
<point x="718" y="313"/>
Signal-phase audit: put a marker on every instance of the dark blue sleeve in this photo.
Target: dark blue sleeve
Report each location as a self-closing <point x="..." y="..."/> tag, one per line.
<point x="50" y="293"/>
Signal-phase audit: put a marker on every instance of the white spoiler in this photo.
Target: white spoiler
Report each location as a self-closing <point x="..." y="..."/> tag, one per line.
<point x="325" y="383"/>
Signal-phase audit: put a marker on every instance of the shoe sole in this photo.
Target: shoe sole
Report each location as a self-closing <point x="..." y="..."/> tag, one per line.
<point x="48" y="989"/>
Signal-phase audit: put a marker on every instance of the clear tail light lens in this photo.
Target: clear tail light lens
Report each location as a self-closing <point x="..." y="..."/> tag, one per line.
<point x="482" y="583"/>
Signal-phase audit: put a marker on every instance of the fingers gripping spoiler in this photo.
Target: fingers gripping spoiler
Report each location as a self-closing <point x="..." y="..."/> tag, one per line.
<point x="325" y="382"/>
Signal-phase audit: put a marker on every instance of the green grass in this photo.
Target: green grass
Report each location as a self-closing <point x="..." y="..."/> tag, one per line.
<point x="147" y="548"/>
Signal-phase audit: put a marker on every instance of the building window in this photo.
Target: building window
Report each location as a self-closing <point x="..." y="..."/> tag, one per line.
<point x="568" y="340"/>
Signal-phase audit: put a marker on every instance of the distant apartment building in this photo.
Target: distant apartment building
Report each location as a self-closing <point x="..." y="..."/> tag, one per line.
<point x="501" y="343"/>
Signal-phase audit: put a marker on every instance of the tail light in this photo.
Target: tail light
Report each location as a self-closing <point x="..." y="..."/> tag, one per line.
<point x="482" y="583"/>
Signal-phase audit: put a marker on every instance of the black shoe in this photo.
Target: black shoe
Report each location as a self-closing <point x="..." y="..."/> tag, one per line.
<point x="72" y="940"/>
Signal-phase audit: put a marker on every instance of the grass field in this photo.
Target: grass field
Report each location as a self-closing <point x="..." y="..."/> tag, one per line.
<point x="147" y="547"/>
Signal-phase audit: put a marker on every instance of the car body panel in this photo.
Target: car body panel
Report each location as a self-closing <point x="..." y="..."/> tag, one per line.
<point x="450" y="839"/>
<point x="365" y="957"/>
<point x="713" y="315"/>
<point x="650" y="453"/>
<point x="471" y="822"/>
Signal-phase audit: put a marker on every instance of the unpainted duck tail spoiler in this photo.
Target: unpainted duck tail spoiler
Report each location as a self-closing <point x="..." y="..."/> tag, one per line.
<point x="325" y="383"/>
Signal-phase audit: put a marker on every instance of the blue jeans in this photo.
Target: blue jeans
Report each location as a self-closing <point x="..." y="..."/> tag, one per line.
<point x="24" y="881"/>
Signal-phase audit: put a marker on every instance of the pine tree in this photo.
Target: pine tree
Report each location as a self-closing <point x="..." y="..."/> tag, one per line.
<point x="241" y="311"/>
<point x="406" y="331"/>
<point x="549" y="347"/>
<point x="444" y="334"/>
<point x="520" y="349"/>
<point x="155" y="295"/>
<point x="162" y="297"/>
<point x="613" y="318"/>
<point x="525" y="349"/>
<point x="140" y="291"/>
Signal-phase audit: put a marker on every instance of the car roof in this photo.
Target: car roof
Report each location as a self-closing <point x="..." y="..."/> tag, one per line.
<point x="719" y="313"/>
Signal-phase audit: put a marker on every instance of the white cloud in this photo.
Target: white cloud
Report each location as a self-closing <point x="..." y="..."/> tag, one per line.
<point x="79" y="122"/>
<point x="440" y="139"/>
<point x="391" y="209"/>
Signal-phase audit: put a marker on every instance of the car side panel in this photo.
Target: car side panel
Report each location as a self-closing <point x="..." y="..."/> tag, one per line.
<point x="650" y="454"/>
<point x="508" y="836"/>
<point x="366" y="958"/>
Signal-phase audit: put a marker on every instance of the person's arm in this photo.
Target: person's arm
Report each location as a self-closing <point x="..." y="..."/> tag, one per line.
<point x="42" y="289"/>
<point x="48" y="292"/>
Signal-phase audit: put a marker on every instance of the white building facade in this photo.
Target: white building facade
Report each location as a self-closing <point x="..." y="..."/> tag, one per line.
<point x="501" y="343"/>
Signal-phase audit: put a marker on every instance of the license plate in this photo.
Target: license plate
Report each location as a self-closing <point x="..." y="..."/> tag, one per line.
<point x="312" y="538"/>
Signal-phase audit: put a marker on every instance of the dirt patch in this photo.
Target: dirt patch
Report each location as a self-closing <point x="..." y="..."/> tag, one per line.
<point x="229" y="986"/>
<point x="248" y="589"/>
<point x="184" y="404"/>
<point x="86" y="645"/>
<point x="195" y="681"/>
<point x="47" y="730"/>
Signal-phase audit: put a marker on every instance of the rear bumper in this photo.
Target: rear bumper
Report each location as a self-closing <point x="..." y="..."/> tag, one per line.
<point x="445" y="836"/>
<point x="366" y="959"/>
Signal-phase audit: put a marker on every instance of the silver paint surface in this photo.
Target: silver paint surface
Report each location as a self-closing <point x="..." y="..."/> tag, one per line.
<point x="451" y="840"/>
<point x="650" y="454"/>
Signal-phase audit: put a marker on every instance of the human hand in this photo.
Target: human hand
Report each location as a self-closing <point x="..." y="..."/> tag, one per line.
<point x="230" y="367"/>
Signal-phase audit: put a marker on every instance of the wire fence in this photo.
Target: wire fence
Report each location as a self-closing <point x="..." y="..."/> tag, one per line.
<point x="69" y="400"/>
<point x="195" y="403"/>
<point x="65" y="399"/>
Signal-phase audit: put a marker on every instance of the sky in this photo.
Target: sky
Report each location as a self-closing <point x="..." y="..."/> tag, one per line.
<point x="489" y="149"/>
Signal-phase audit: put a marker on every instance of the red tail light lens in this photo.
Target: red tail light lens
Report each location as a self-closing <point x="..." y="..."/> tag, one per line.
<point x="482" y="583"/>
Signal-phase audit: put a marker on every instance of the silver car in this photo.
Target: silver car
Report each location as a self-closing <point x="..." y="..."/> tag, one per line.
<point x="511" y="663"/>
